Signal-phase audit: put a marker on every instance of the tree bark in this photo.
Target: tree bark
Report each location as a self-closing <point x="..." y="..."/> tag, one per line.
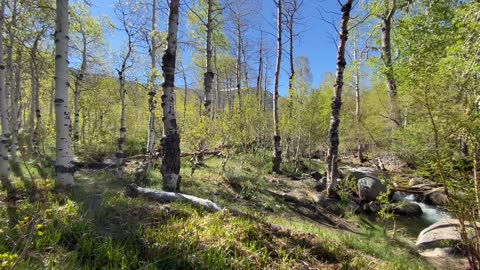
<point x="260" y="67"/>
<point x="4" y="138"/>
<point x="265" y="86"/>
<point x="386" y="56"/>
<point x="245" y="63"/>
<point x="357" y="101"/>
<point x="35" y="113"/>
<point x="14" y="105"/>
<point x="239" y="63"/>
<point x="475" y="176"/>
<point x="185" y="92"/>
<point x="171" y="140"/>
<point x="153" y="76"/>
<point x="333" y="137"/>
<point x="86" y="119"/>
<point x="123" y="129"/>
<point x="290" y="84"/>
<point x="38" y="115"/>
<point x="277" y="149"/>
<point x="209" y="75"/>
<point x="9" y="87"/>
<point x="77" y="92"/>
<point x="64" y="167"/>
<point x="463" y="147"/>
<point x="217" y="83"/>
<point x="122" y="91"/>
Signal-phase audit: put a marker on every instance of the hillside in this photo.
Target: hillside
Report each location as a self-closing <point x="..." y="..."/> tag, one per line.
<point x="97" y="227"/>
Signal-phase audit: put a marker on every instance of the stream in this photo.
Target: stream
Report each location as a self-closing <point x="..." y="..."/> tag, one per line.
<point x="431" y="214"/>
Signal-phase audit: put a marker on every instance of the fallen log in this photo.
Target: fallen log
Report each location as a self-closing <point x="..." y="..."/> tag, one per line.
<point x="410" y="190"/>
<point x="132" y="190"/>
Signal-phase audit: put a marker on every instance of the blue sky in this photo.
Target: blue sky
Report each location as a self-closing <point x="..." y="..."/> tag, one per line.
<point x="315" y="41"/>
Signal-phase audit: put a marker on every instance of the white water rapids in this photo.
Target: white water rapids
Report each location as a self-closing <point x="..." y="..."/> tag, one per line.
<point x="430" y="214"/>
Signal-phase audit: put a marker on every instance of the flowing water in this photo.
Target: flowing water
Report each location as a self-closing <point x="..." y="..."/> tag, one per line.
<point x="431" y="214"/>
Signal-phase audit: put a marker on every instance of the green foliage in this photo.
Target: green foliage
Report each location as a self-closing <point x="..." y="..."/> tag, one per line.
<point x="69" y="231"/>
<point x="386" y="211"/>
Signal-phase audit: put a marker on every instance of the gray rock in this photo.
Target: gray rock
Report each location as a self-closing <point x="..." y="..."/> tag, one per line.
<point x="356" y="175"/>
<point x="408" y="209"/>
<point x="322" y="200"/>
<point x="442" y="234"/>
<point x="441" y="252"/>
<point x="374" y="207"/>
<point x="436" y="196"/>
<point x="369" y="188"/>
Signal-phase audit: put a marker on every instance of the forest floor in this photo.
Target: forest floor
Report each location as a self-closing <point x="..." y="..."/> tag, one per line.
<point x="94" y="226"/>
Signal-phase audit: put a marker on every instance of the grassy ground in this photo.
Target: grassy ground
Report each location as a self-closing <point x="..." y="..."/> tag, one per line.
<point x="94" y="226"/>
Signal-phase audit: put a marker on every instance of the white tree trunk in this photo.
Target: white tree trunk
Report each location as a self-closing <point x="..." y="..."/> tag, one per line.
<point x="35" y="114"/>
<point x="170" y="140"/>
<point x="151" y="84"/>
<point x="357" y="100"/>
<point x="120" y="158"/>
<point x="239" y="63"/>
<point x="64" y="168"/>
<point x="260" y="66"/>
<point x="277" y="149"/>
<point x="386" y="57"/>
<point x="76" y="114"/>
<point x="76" y="94"/>
<point x="333" y="136"/>
<point x="11" y="87"/>
<point x="209" y="75"/>
<point x="14" y="105"/>
<point x="4" y="174"/>
<point x="123" y="129"/>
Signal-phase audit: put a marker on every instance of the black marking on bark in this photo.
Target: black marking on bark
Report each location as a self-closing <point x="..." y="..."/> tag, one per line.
<point x="66" y="169"/>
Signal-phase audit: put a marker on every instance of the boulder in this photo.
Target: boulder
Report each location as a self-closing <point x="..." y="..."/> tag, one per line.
<point x="436" y="196"/>
<point x="416" y="181"/>
<point x="441" y="252"/>
<point x="369" y="188"/>
<point x="374" y="207"/>
<point x="356" y="175"/>
<point x="408" y="209"/>
<point x="322" y="200"/>
<point x="442" y="234"/>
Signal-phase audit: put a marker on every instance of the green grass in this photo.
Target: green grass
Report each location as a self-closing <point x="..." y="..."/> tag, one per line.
<point x="94" y="226"/>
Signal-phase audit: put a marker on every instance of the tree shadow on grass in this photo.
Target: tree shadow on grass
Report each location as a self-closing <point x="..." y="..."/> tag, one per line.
<point x="311" y="211"/>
